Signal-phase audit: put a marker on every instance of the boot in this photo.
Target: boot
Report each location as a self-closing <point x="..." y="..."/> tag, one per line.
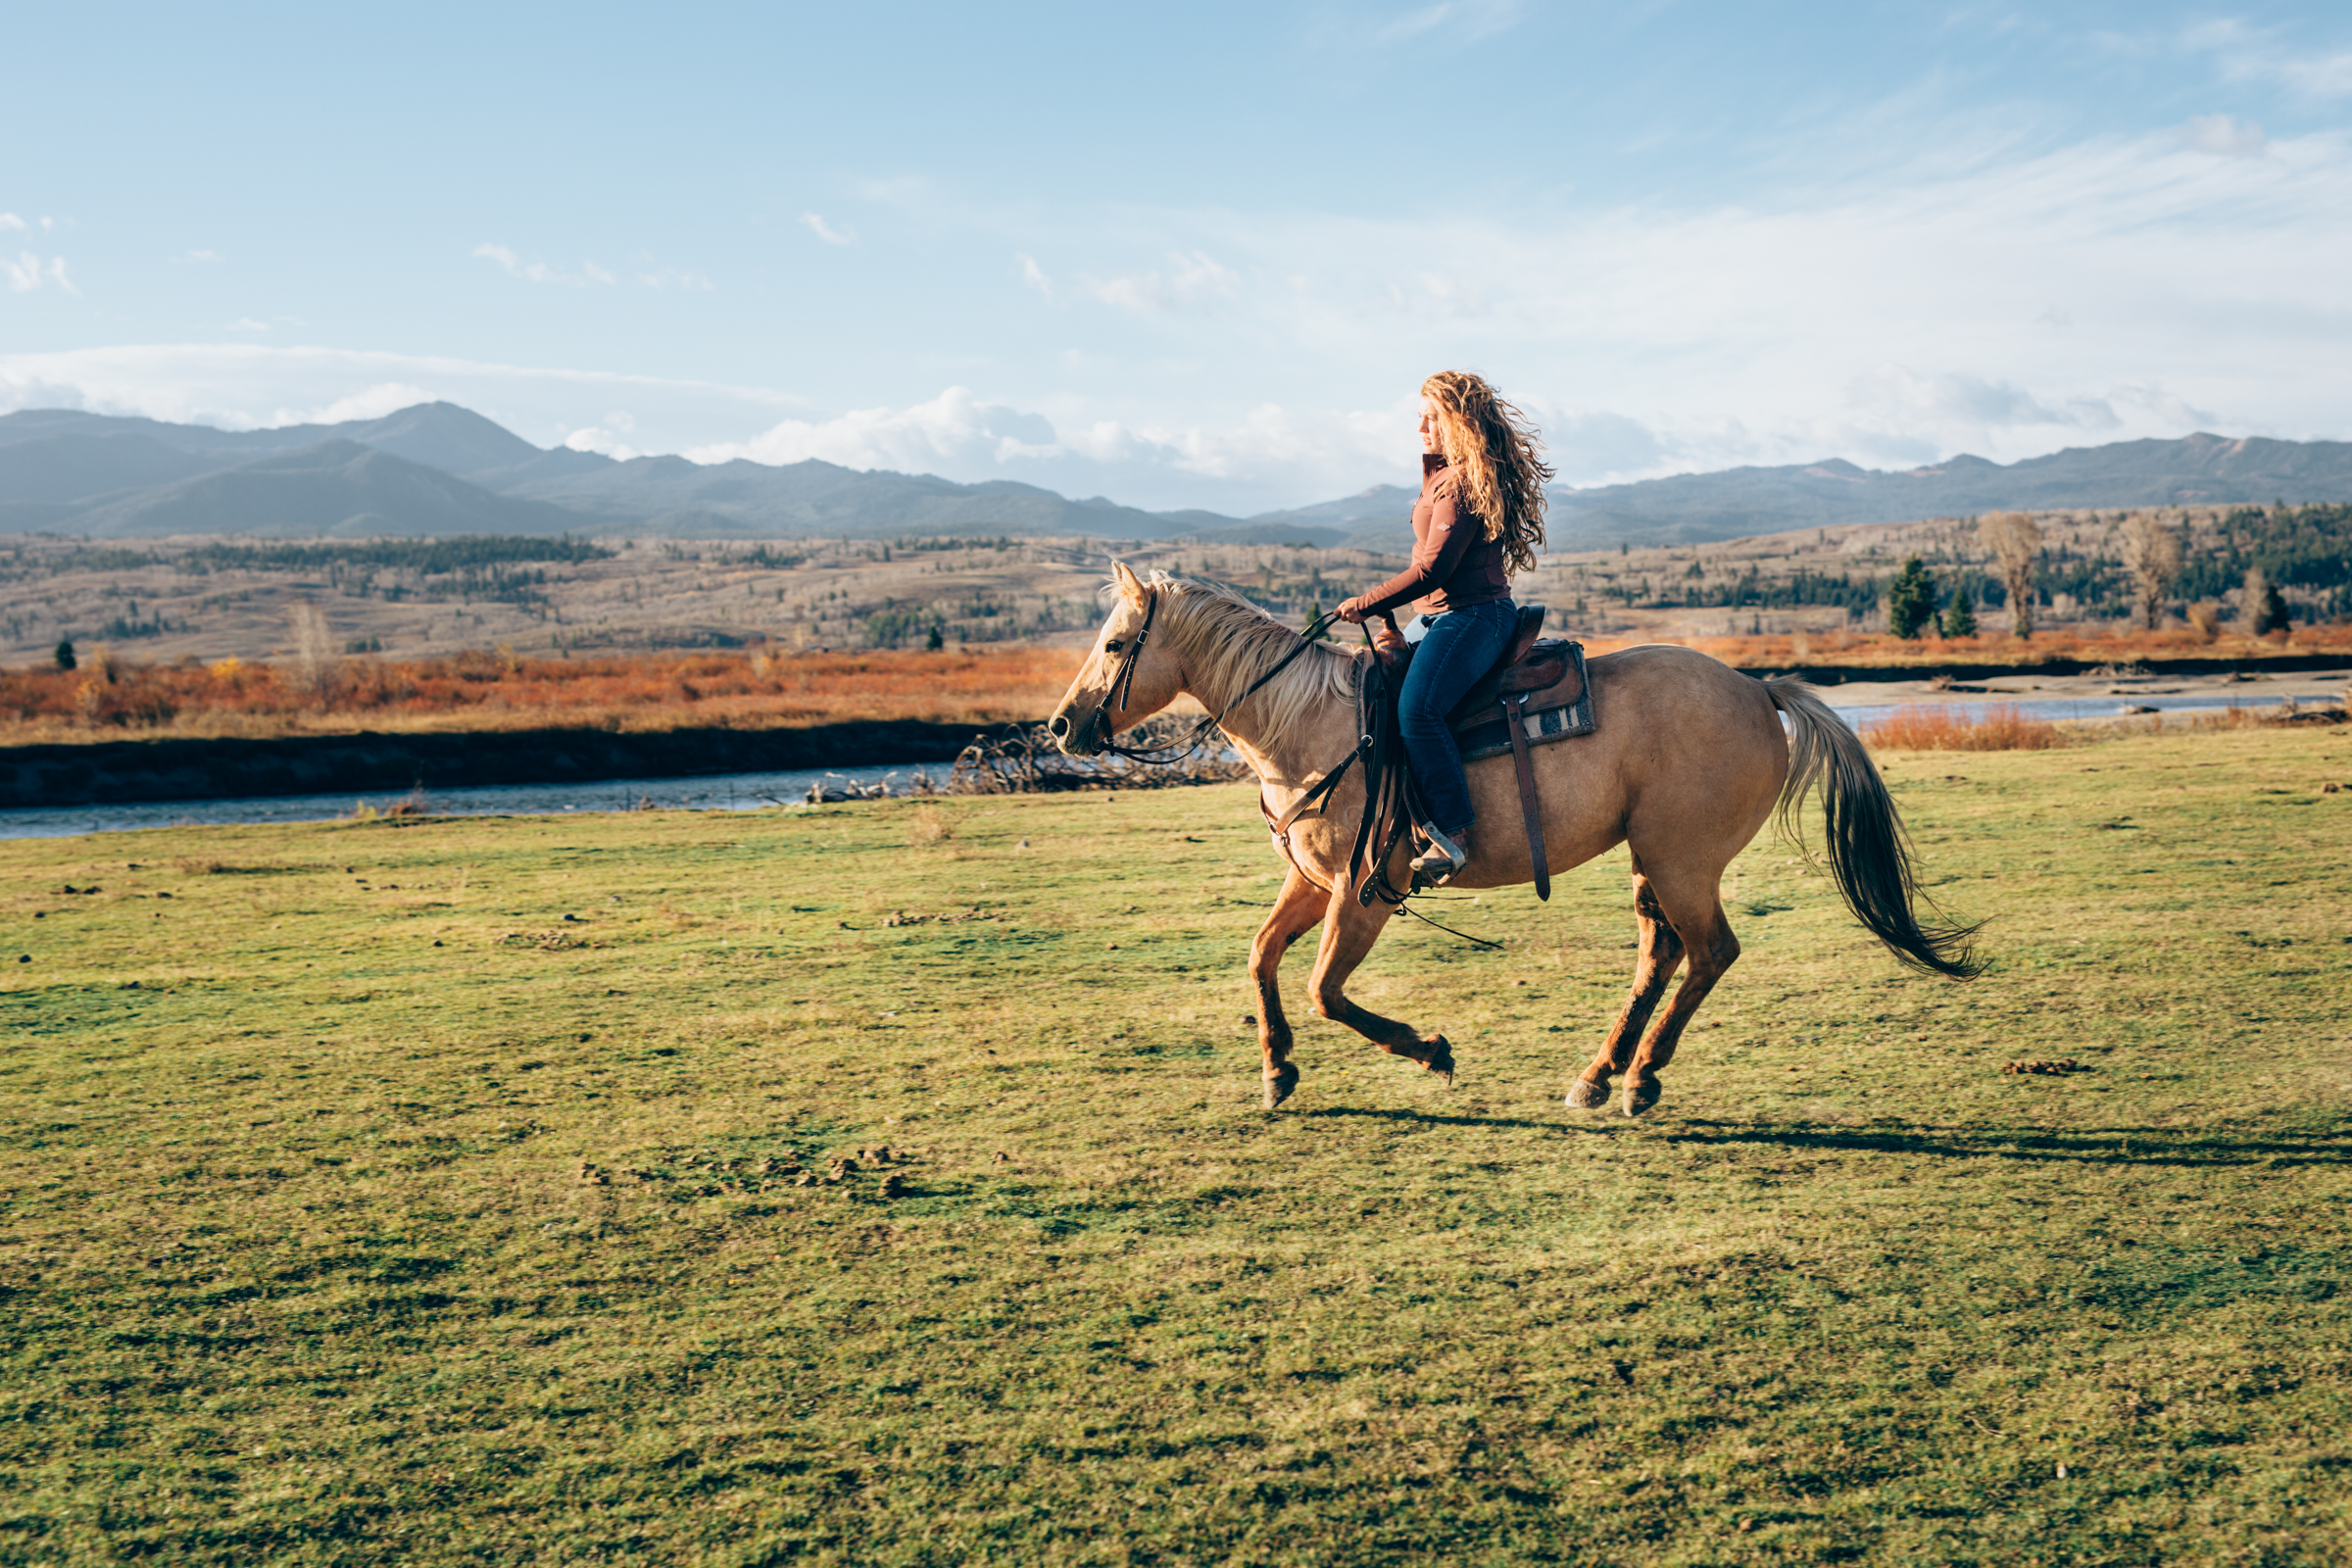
<point x="1447" y="853"/>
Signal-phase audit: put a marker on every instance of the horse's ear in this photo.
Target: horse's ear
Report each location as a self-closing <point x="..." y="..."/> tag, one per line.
<point x="1131" y="587"/>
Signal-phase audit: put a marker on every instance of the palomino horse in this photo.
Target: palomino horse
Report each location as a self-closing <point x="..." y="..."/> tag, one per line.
<point x="1688" y="762"/>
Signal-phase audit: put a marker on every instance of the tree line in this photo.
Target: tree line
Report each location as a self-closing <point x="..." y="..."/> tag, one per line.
<point x="2150" y="567"/>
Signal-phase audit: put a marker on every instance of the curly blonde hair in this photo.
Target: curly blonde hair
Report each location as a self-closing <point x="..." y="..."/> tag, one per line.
<point x="1493" y="450"/>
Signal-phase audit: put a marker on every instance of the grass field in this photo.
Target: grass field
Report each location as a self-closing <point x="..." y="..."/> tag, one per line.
<point x="431" y="1194"/>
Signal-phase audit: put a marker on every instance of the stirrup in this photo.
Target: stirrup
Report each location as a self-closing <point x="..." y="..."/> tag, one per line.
<point x="1443" y="856"/>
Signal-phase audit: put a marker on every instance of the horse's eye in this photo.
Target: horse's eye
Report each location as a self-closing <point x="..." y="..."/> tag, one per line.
<point x="1111" y="647"/>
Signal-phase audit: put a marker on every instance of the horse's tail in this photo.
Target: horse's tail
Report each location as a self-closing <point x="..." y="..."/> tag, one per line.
<point x="1870" y="854"/>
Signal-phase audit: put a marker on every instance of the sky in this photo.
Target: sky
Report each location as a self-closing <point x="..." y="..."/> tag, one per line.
<point x="1196" y="256"/>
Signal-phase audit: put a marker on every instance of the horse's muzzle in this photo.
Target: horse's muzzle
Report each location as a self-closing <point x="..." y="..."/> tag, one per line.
<point x="1082" y="739"/>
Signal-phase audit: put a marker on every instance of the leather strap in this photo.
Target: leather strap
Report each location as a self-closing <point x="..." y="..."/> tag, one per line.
<point x="1528" y="805"/>
<point x="1305" y="802"/>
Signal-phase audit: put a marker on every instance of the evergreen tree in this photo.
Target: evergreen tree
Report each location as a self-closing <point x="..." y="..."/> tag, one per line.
<point x="2272" y="616"/>
<point x="938" y="638"/>
<point x="1911" y="599"/>
<point x="1960" y="619"/>
<point x="64" y="653"/>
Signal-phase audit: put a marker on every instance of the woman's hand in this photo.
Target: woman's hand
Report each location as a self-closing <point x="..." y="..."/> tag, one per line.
<point x="1350" y="611"/>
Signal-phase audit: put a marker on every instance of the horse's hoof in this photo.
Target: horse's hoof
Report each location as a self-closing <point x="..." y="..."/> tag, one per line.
<point x="1586" y="1095"/>
<point x="1639" y="1098"/>
<point x="1280" y="1084"/>
<point x="1440" y="1059"/>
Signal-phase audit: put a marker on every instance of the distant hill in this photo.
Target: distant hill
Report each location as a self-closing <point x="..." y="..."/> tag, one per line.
<point x="66" y="471"/>
<point x="335" y="488"/>
<point x="439" y="435"/>
<point x="756" y="500"/>
<point x="1378" y="519"/>
<point x="76" y="463"/>
<point x="448" y="469"/>
<point x="1737" y="503"/>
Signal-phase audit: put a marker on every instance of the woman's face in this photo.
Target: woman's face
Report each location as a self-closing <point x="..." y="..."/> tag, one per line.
<point x="1429" y="426"/>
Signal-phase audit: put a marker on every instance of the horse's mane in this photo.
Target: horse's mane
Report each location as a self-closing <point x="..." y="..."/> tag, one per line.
<point x="1225" y="641"/>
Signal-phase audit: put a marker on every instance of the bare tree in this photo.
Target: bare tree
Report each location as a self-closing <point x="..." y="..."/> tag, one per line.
<point x="2153" y="554"/>
<point x="2015" y="540"/>
<point x="315" y="658"/>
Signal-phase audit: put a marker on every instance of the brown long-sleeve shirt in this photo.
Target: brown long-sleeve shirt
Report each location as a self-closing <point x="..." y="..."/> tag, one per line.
<point x="1454" y="564"/>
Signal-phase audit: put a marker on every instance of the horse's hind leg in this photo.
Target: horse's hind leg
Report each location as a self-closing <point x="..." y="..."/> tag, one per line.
<point x="1661" y="952"/>
<point x="1295" y="913"/>
<point x="1347" y="940"/>
<point x="1698" y="917"/>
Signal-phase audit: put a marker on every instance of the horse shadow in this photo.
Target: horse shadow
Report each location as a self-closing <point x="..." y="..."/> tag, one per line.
<point x="2104" y="1146"/>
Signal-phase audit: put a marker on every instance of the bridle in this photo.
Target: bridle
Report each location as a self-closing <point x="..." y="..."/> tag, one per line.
<point x="1374" y="722"/>
<point x="1123" y="688"/>
<point x="1385" y="789"/>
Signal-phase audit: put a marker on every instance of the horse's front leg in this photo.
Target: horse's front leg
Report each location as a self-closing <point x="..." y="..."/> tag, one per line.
<point x="1347" y="940"/>
<point x="1293" y="915"/>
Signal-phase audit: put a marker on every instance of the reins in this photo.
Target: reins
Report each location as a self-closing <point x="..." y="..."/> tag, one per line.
<point x="1387" y="782"/>
<point x="1123" y="688"/>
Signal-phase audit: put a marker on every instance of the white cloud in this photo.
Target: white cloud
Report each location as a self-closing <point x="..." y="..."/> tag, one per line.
<point x="2002" y="307"/>
<point x="826" y="231"/>
<point x="540" y="272"/>
<point x="676" y="277"/>
<point x="1952" y="397"/>
<point x="199" y="258"/>
<point x="596" y="438"/>
<point x="26" y="272"/>
<point x="2225" y="136"/>
<point x="957" y="435"/>
<point x="2253" y="54"/>
<point x="1033" y="274"/>
<point x="529" y="273"/>
<point x="590" y="273"/>
<point x="953" y="429"/>
<point x="608" y="436"/>
<point x="1466" y="19"/>
<point x="370" y="403"/>
<point x="10" y="221"/>
<point x="1192" y="276"/>
<point x="246" y="323"/>
<point x="243" y="386"/>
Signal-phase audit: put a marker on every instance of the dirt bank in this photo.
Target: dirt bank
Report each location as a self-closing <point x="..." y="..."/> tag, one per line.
<point x="185" y="770"/>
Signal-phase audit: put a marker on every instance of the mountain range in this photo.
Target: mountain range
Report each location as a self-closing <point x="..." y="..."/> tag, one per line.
<point x="439" y="470"/>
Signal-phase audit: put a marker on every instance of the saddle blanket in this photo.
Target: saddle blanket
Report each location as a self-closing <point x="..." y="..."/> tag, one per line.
<point x="1548" y="688"/>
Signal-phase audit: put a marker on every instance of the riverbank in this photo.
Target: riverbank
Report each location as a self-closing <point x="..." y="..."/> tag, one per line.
<point x="378" y="764"/>
<point x="2184" y="668"/>
<point x="373" y="764"/>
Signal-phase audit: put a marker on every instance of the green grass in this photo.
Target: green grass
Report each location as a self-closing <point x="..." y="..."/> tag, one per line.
<point x="299" y="1263"/>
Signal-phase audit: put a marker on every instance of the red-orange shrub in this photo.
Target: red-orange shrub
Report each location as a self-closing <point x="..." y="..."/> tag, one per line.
<point x="503" y="691"/>
<point x="2002" y="727"/>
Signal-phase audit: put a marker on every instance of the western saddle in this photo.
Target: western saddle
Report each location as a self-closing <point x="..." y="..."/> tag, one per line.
<point x="1536" y="692"/>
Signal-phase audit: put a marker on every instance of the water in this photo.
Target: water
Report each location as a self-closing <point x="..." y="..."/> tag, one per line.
<point x="752" y="792"/>
<point x="727" y="792"/>
<point x="2058" y="709"/>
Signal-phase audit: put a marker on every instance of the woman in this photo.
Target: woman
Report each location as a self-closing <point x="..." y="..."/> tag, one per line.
<point x="1480" y="520"/>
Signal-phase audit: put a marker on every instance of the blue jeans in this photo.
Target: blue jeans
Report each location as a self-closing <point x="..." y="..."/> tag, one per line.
<point x="1461" y="645"/>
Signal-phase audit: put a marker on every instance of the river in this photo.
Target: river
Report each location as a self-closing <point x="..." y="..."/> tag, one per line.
<point x="751" y="791"/>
